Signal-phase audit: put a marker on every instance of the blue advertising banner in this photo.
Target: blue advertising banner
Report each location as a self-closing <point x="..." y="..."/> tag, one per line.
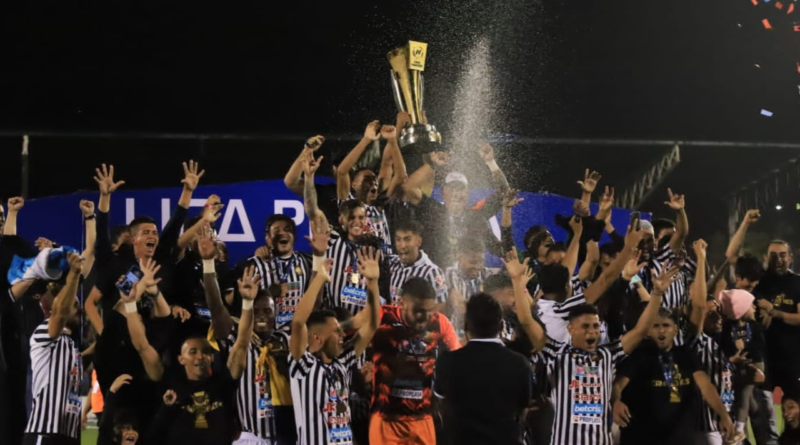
<point x="247" y="206"/>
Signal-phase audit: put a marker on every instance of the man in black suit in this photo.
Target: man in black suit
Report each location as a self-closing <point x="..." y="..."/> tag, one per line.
<point x="485" y="386"/>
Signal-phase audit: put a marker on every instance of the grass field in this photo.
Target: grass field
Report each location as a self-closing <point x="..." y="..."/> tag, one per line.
<point x="89" y="435"/>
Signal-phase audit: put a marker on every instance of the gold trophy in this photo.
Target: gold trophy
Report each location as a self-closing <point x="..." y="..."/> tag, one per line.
<point x="200" y="408"/>
<point x="408" y="86"/>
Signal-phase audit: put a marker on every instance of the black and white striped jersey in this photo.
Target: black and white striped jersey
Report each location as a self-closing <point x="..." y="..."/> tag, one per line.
<point x="57" y="370"/>
<point x="255" y="400"/>
<point x="720" y="371"/>
<point x="292" y="274"/>
<point x="376" y="223"/>
<point x="555" y="315"/>
<point x="678" y="293"/>
<point x="324" y="391"/>
<point x="581" y="385"/>
<point x="347" y="288"/>
<point x="422" y="268"/>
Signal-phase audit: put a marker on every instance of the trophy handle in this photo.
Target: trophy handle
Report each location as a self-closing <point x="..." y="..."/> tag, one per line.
<point x="421" y="84"/>
<point x="398" y="95"/>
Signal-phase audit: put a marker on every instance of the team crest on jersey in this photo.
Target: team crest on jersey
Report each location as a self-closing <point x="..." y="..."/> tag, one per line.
<point x="586" y="371"/>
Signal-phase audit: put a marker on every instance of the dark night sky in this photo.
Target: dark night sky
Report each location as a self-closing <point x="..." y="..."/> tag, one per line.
<point x="604" y="69"/>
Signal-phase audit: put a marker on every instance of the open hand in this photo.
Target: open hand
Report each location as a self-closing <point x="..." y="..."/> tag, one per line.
<point x="249" y="283"/>
<point x="148" y="283"/>
<point x="589" y="182"/>
<point x="191" y="177"/>
<point x="206" y="245"/>
<point x="669" y="274"/>
<point x="517" y="271"/>
<point x="369" y="263"/>
<point x="319" y="237"/>
<point x="310" y="165"/>
<point x="510" y="199"/>
<point x="105" y="180"/>
<point x="632" y="267"/>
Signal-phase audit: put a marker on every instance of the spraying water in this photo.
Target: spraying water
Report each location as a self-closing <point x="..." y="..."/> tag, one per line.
<point x="474" y="111"/>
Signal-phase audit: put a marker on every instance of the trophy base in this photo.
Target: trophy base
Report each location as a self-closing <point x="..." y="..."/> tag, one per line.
<point x="420" y="139"/>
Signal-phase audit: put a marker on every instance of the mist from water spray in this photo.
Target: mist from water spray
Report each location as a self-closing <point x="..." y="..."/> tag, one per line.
<point x="474" y="110"/>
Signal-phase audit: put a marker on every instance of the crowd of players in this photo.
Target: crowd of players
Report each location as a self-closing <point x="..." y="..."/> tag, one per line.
<point x="392" y="330"/>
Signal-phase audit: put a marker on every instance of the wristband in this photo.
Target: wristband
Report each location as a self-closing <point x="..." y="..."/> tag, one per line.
<point x="90" y="217"/>
<point x="130" y="307"/>
<point x="316" y="265"/>
<point x="208" y="266"/>
<point x="493" y="167"/>
<point x="636" y="279"/>
<point x="247" y="304"/>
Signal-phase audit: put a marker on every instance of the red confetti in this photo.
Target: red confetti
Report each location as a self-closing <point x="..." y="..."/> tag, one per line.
<point x="790" y="9"/>
<point x="755" y="2"/>
<point x="796" y="28"/>
<point x="766" y="24"/>
<point x="798" y="67"/>
<point x="779" y="5"/>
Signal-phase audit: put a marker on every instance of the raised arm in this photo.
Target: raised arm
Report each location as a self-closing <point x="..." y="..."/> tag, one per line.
<point x="368" y="267"/>
<point x="698" y="290"/>
<point x="386" y="172"/>
<point x="661" y="283"/>
<point x="298" y="343"/>
<point x="571" y="258"/>
<point x="588" y="185"/>
<point x="148" y="354"/>
<point x="400" y="173"/>
<point x="506" y="220"/>
<point x="221" y="320"/>
<point x="148" y="285"/>
<point x="293" y="178"/>
<point x="610" y="274"/>
<point x="105" y="183"/>
<point x="371" y="134"/>
<point x="498" y="178"/>
<point x="606" y="205"/>
<point x="90" y="220"/>
<point x="248" y="289"/>
<point x="421" y="181"/>
<point x="310" y="166"/>
<point x="678" y="203"/>
<point x="65" y="303"/>
<point x="750" y="218"/>
<point x="210" y="215"/>
<point x="589" y="265"/>
<point x="520" y="274"/>
<point x="14" y="206"/>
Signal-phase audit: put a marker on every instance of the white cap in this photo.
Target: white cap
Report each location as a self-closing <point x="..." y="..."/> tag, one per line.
<point x="647" y="227"/>
<point x="456" y="177"/>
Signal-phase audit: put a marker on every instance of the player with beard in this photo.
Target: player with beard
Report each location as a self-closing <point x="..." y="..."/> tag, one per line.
<point x="581" y="372"/>
<point x="778" y="294"/>
<point x="405" y="349"/>
<point x="654" y="390"/>
<point x="263" y="398"/>
<point x="346" y="287"/>
<point x="57" y="369"/>
<point x="411" y="262"/>
<point x="321" y="364"/>
<point x="114" y="351"/>
<point x="287" y="273"/>
<point x="198" y="406"/>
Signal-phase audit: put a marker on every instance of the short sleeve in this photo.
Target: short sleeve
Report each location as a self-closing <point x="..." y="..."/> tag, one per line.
<point x="41" y="337"/>
<point x="562" y="310"/>
<point x="550" y="351"/>
<point x="615" y="351"/>
<point x="300" y="368"/>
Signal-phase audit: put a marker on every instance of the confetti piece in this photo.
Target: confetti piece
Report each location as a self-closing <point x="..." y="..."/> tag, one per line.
<point x="796" y="28"/>
<point x="755" y="2"/>
<point x="766" y="113"/>
<point x="790" y="9"/>
<point x="766" y="24"/>
<point x="779" y="5"/>
<point x="757" y="65"/>
<point x="798" y="67"/>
